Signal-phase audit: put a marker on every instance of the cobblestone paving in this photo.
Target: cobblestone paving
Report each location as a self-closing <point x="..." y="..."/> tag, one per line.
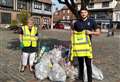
<point x="106" y="51"/>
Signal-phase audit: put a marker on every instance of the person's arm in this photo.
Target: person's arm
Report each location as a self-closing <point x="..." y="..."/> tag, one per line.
<point x="96" y="29"/>
<point x="20" y="37"/>
<point x="97" y="32"/>
<point x="20" y="34"/>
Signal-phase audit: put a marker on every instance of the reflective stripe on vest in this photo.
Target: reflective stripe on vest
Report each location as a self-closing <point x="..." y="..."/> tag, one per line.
<point x="81" y="45"/>
<point x="29" y="38"/>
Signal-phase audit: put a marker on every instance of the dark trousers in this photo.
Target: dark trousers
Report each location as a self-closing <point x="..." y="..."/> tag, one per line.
<point x="81" y="68"/>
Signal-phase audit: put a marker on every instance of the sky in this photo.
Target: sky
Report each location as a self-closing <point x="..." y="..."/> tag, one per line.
<point x="57" y="4"/>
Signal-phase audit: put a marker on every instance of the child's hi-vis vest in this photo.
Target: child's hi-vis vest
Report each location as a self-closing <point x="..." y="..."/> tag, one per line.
<point x="29" y="38"/>
<point x="81" y="45"/>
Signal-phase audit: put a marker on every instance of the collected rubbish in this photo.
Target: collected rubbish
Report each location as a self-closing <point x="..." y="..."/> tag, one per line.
<point x="56" y="66"/>
<point x="96" y="73"/>
<point x="56" y="55"/>
<point x="43" y="67"/>
<point x="41" y="52"/>
<point x="57" y="73"/>
<point x="70" y="70"/>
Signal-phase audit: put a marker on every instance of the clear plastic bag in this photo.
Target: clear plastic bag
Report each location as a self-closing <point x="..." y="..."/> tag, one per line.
<point x="56" y="55"/>
<point x="71" y="71"/>
<point x="57" y="73"/>
<point x="43" y="68"/>
<point x="96" y="73"/>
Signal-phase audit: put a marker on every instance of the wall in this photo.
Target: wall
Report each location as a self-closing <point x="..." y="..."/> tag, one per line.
<point x="99" y="5"/>
<point x="116" y="16"/>
<point x="42" y="11"/>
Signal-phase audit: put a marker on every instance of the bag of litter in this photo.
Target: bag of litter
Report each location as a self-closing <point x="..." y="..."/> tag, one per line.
<point x="43" y="68"/>
<point x="57" y="73"/>
<point x="96" y="73"/>
<point x="56" y="55"/>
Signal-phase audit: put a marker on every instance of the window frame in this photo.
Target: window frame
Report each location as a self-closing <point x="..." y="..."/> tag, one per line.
<point x="7" y="16"/>
<point x="105" y="4"/>
<point x="21" y="3"/>
<point x="37" y="5"/>
<point x="8" y="4"/>
<point x="47" y="7"/>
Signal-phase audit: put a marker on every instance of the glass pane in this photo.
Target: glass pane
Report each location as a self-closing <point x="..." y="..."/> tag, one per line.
<point x="47" y="7"/>
<point x="5" y="18"/>
<point x="7" y="3"/>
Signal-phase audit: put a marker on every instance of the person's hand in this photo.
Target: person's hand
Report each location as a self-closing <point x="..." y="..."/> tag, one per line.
<point x="21" y="45"/>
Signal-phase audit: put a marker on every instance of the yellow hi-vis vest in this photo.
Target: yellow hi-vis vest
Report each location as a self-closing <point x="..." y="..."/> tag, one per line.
<point x="29" y="38"/>
<point x="81" y="45"/>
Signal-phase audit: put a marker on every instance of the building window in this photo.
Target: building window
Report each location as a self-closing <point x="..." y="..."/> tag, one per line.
<point x="105" y="4"/>
<point x="91" y="5"/>
<point x="117" y="16"/>
<point x="6" y="3"/>
<point x="63" y="11"/>
<point x="5" y="18"/>
<point x="56" y="13"/>
<point x="68" y="17"/>
<point x="63" y="17"/>
<point x="38" y="5"/>
<point x="21" y="4"/>
<point x="68" y="11"/>
<point x="46" y="20"/>
<point x="47" y="7"/>
<point x="36" y="20"/>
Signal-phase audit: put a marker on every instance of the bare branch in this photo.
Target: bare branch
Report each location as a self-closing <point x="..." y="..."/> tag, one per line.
<point x="73" y="7"/>
<point x="62" y="2"/>
<point x="73" y="3"/>
<point x="84" y="3"/>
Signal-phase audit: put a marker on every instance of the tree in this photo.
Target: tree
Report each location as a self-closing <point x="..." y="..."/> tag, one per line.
<point x="72" y="5"/>
<point x="24" y="14"/>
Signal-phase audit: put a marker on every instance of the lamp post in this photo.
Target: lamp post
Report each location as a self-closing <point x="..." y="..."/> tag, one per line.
<point x="52" y="15"/>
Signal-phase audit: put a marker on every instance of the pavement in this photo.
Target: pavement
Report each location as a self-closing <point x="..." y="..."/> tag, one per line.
<point x="106" y="55"/>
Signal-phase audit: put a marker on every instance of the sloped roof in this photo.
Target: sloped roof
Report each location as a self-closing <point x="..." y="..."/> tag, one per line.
<point x="64" y="8"/>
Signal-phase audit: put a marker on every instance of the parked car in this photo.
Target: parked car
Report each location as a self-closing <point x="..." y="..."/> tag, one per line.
<point x="58" y="26"/>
